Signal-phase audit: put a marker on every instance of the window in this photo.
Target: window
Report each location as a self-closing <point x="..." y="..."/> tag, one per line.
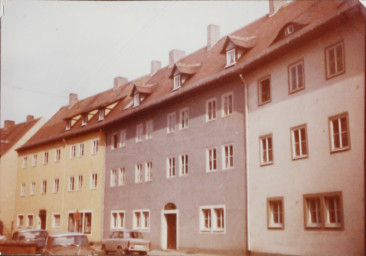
<point x="81" y="149"/>
<point x="123" y="138"/>
<point x="264" y="91"/>
<point x="339" y="135"/>
<point x="71" y="183"/>
<point x="45" y="157"/>
<point x="289" y="30"/>
<point x="117" y="220"/>
<point x="72" y="151"/>
<point x="211" y="159"/>
<point x="84" y="120"/>
<point x="95" y="146"/>
<point x="227" y="104"/>
<point x="138" y="173"/>
<point x="56" y="220"/>
<point x="323" y="211"/>
<point x="25" y="162"/>
<point x="149" y="129"/>
<point x="68" y="125"/>
<point x="334" y="56"/>
<point x="148" y="171"/>
<point x="22" y="189"/>
<point x="80" y="182"/>
<point x="114" y="141"/>
<point x="176" y="82"/>
<point x="228" y="156"/>
<point x="32" y="189"/>
<point x="171" y="167"/>
<point x="56" y="185"/>
<point x="57" y="154"/>
<point x="113" y="178"/>
<point x="139" y="132"/>
<point x="211" y="110"/>
<point x="275" y="213"/>
<point x="141" y="220"/>
<point x="93" y="180"/>
<point x="80" y="222"/>
<point x="171" y="122"/>
<point x="101" y="114"/>
<point x="183" y="165"/>
<point x="29" y="221"/>
<point x="20" y="220"/>
<point x="44" y="187"/>
<point x="266" y="150"/>
<point x="184" y="116"/>
<point x="230" y="57"/>
<point x="122" y="176"/>
<point x="212" y="219"/>
<point x="34" y="160"/>
<point x="299" y="143"/>
<point x="296" y="76"/>
<point x="136" y="99"/>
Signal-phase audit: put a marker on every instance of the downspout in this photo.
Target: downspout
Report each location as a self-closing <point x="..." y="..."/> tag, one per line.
<point x="103" y="184"/>
<point x="64" y="185"/>
<point x="364" y="136"/>
<point x="246" y="163"/>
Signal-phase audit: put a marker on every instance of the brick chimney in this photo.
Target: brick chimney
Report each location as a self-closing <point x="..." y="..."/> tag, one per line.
<point x="275" y="5"/>
<point x="30" y="118"/>
<point x="73" y="99"/>
<point x="119" y="81"/>
<point x="175" y="55"/>
<point x="213" y="35"/>
<point x="155" y="66"/>
<point x="8" y="123"/>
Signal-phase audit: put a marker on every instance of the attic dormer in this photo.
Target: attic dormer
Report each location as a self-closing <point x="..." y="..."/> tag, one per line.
<point x="287" y="30"/>
<point x="140" y="92"/>
<point x="235" y="47"/>
<point x="181" y="73"/>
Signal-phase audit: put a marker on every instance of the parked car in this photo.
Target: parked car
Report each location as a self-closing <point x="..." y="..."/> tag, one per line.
<point x="37" y="236"/>
<point x="68" y="243"/>
<point x="126" y="242"/>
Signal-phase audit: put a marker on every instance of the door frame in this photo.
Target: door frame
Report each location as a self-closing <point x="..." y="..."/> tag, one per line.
<point x="164" y="228"/>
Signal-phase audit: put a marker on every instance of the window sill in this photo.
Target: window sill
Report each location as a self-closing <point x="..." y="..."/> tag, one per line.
<point x="230" y="65"/>
<point x="335" y="74"/>
<point x="228" y="115"/>
<point x="210" y="120"/>
<point x="264" y="103"/>
<point x="228" y="168"/>
<point x="266" y="164"/>
<point x="296" y="90"/>
<point x="276" y="227"/>
<point x="340" y="150"/>
<point x="211" y="171"/>
<point x="299" y="157"/>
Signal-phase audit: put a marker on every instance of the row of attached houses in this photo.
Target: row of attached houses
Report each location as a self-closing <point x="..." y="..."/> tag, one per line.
<point x="253" y="143"/>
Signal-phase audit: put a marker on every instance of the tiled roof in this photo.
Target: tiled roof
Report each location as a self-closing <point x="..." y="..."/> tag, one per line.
<point x="315" y="17"/>
<point x="12" y="134"/>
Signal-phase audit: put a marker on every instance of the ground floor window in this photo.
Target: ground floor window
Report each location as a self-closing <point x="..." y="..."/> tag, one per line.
<point x="275" y="213"/>
<point x="56" y="220"/>
<point x="117" y="219"/>
<point x="141" y="219"/>
<point x="80" y="222"/>
<point x="20" y="220"/>
<point x="29" y="220"/>
<point x="212" y="218"/>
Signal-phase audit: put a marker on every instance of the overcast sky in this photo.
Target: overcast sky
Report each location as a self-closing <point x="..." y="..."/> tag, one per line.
<point x="52" y="48"/>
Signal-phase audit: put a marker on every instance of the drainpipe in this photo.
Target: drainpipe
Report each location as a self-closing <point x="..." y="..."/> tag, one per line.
<point x="364" y="136"/>
<point x="104" y="134"/>
<point x="64" y="184"/>
<point x="246" y="162"/>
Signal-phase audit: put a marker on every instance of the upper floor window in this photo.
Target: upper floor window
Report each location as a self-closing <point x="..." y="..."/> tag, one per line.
<point x="139" y="132"/>
<point x="275" y="213"/>
<point x="149" y="129"/>
<point x="136" y="99"/>
<point x="335" y="60"/>
<point x="81" y="149"/>
<point x="22" y="189"/>
<point x="299" y="142"/>
<point x="95" y="146"/>
<point x="25" y="162"/>
<point x="228" y="156"/>
<point x="296" y="76"/>
<point x="34" y="160"/>
<point x="211" y="110"/>
<point x="80" y="183"/>
<point x="148" y="171"/>
<point x="71" y="183"/>
<point x="227" y="104"/>
<point x="184" y="117"/>
<point x="114" y="141"/>
<point x="212" y="219"/>
<point x="101" y="114"/>
<point x="84" y="120"/>
<point x="211" y="159"/>
<point x="339" y="132"/>
<point x="93" y="180"/>
<point x="171" y="122"/>
<point x="32" y="189"/>
<point x="57" y="154"/>
<point x="264" y="90"/>
<point x="289" y="30"/>
<point x="230" y="57"/>
<point x="123" y="138"/>
<point x="68" y="125"/>
<point x="122" y="176"/>
<point x="56" y="185"/>
<point x="183" y="164"/>
<point x="266" y="149"/>
<point x="177" y="82"/>
<point x="72" y="151"/>
<point x="44" y="187"/>
<point x="138" y="173"/>
<point x="171" y="167"/>
<point x="113" y="178"/>
<point x="45" y="157"/>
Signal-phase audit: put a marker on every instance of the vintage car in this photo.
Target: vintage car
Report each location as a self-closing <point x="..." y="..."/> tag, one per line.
<point x="36" y="236"/>
<point x="68" y="243"/>
<point x="126" y="242"/>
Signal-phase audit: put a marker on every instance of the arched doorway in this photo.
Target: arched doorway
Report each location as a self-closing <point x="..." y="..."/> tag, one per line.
<point x="169" y="227"/>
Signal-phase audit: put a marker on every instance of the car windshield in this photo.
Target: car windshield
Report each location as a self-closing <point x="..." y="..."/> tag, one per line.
<point x="133" y="234"/>
<point x="31" y="235"/>
<point x="69" y="240"/>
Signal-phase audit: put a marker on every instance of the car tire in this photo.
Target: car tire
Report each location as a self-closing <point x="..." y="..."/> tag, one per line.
<point x="120" y="251"/>
<point x="104" y="250"/>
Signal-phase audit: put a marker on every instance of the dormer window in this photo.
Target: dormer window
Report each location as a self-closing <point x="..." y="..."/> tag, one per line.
<point x="101" y="114"/>
<point x="84" y="120"/>
<point x="230" y="57"/>
<point x="289" y="30"/>
<point x="176" y="82"/>
<point x="136" y="99"/>
<point x="68" y="125"/>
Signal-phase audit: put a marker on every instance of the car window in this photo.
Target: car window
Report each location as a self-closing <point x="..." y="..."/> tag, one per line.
<point x="120" y="234"/>
<point x="70" y="240"/>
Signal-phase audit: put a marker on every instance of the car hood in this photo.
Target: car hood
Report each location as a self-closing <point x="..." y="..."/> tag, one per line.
<point x="138" y="241"/>
<point x="72" y="251"/>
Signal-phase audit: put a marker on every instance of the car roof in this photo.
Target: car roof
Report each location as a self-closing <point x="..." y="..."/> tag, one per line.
<point x="67" y="234"/>
<point x="32" y="230"/>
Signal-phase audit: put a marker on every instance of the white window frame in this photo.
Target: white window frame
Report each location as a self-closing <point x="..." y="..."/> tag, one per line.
<point x="113" y="178"/>
<point x="28" y="225"/>
<point x="93" y="180"/>
<point x="149" y="129"/>
<point x="32" y="188"/>
<point x="341" y="131"/>
<point x="144" y="224"/>
<point x="138" y="173"/>
<point x="34" y="160"/>
<point x="79" y="185"/>
<point x="265" y="154"/>
<point x="20" y="220"/>
<point x="170" y="170"/>
<point x="81" y="151"/>
<point x="84" y="120"/>
<point x="260" y="91"/>
<point x="211" y="159"/>
<point x="227" y="105"/>
<point x="22" y="189"/>
<point x="313" y="205"/>
<point x="296" y="82"/>
<point x="338" y="70"/>
<point x="82" y="214"/>
<point x="183" y="164"/>
<point x="72" y="151"/>
<point x="213" y="227"/>
<point x="302" y="144"/>
<point x="72" y="182"/>
<point x="54" y="220"/>
<point x="56" y="185"/>
<point x="136" y="99"/>
<point x="177" y="82"/>
<point x="275" y="213"/>
<point x="114" y="141"/>
<point x="184" y="118"/>
<point x="44" y="187"/>
<point x="122" y="176"/>
<point x="148" y="171"/>
<point x="123" y="137"/>
<point x="25" y="162"/>
<point x="211" y="110"/>
<point x="230" y="57"/>
<point x="139" y="132"/>
<point x="57" y="154"/>
<point x="101" y="114"/>
<point x="171" y="121"/>
<point x="45" y="157"/>
<point x="228" y="159"/>
<point x="120" y="222"/>
<point x="95" y="146"/>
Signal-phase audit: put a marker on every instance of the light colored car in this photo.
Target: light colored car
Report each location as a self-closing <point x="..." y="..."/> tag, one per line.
<point x="68" y="243"/>
<point x="126" y="242"/>
<point x="36" y="236"/>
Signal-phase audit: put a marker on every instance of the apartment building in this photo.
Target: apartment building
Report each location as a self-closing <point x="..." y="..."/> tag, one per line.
<point x="12" y="136"/>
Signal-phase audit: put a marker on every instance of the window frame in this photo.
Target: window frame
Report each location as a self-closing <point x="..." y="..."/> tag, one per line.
<point x="170" y="168"/>
<point x="213" y="159"/>
<point x="184" y="118"/>
<point x="57" y="154"/>
<point x="71" y="184"/>
<point x="289" y="76"/>
<point x="123" y="138"/>
<point x="148" y="171"/>
<point x="149" y="129"/>
<point x="121" y="222"/>
<point x="223" y="105"/>
<point x="94" y="146"/>
<point x="45" y="157"/>
<point x="27" y="225"/>
<point x="141" y="227"/>
<point x="139" y="132"/>
<point x="213" y="111"/>
<point x="177" y="82"/>
<point x="23" y="187"/>
<point x="34" y="160"/>
<point x="170" y="124"/>
<point x="25" y="162"/>
<point x="81" y="150"/>
<point x="72" y="151"/>
<point x="44" y="187"/>
<point x="213" y="218"/>
<point x="293" y="146"/>
<point x="183" y="165"/>
<point x="121" y="176"/>
<point x="271" y="224"/>
<point x="327" y="67"/>
<point x="54" y="226"/>
<point x="113" y="181"/>
<point x="331" y="132"/>
<point x="56" y="185"/>
<point x="79" y="184"/>
<point x="259" y="90"/>
<point x="32" y="188"/>
<point x="230" y="156"/>
<point x="114" y="141"/>
<point x="93" y="181"/>
<point x="139" y="177"/>
<point x="268" y="162"/>
<point x="229" y="54"/>
<point x="20" y="221"/>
